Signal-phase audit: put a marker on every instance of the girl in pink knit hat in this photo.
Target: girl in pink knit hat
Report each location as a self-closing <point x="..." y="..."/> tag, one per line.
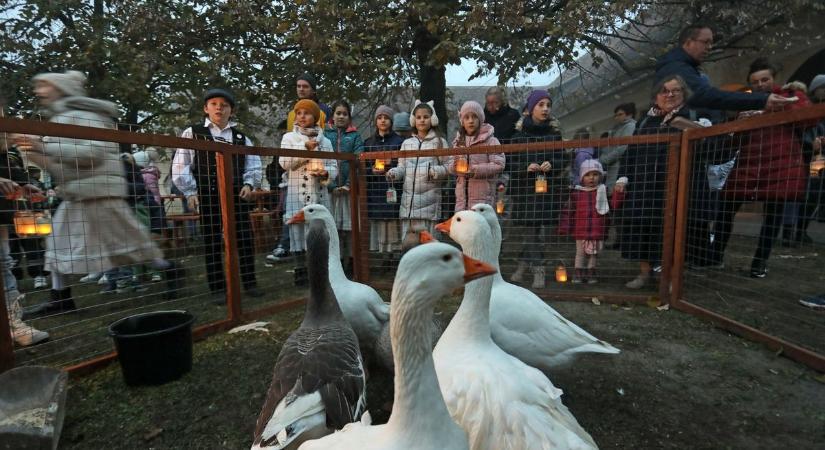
<point x="476" y="173"/>
<point x="586" y="219"/>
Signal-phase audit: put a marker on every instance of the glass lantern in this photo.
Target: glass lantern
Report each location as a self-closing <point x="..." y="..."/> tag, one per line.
<point x="541" y="184"/>
<point x="817" y="165"/>
<point x="561" y="274"/>
<point x="32" y="224"/>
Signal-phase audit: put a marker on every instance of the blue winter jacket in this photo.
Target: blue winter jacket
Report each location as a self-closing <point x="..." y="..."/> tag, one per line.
<point x="345" y="141"/>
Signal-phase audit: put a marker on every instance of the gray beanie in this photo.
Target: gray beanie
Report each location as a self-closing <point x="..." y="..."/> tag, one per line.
<point x="385" y="110"/>
<point x="70" y="83"/>
<point x="401" y="122"/>
<point x="817" y="82"/>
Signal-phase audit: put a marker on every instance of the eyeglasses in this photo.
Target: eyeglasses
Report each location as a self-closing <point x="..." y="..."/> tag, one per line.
<point x="673" y="92"/>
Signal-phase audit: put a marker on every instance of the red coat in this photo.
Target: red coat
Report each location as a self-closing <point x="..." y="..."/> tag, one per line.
<point x="770" y="164"/>
<point x="580" y="218"/>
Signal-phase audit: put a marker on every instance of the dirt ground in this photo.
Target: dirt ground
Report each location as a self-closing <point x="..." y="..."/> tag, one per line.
<point x="678" y="383"/>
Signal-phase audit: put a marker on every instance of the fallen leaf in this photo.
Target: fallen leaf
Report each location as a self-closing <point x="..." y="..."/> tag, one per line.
<point x="653" y="301"/>
<point x="620" y="391"/>
<point x="775" y="372"/>
<point x="595" y="301"/>
<point x="153" y="433"/>
<point x="663" y="307"/>
<point x="254" y="326"/>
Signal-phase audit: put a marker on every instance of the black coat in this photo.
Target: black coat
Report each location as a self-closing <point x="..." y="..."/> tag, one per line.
<point x="504" y="121"/>
<point x="377" y="184"/>
<point x="705" y="96"/>
<point x="530" y="208"/>
<point x="641" y="218"/>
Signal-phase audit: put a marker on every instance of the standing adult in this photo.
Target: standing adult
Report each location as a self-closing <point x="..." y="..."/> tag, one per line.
<point x="536" y="211"/>
<point x="645" y="166"/>
<point x="769" y="168"/>
<point x="195" y="174"/>
<point x="624" y="117"/>
<point x="499" y="114"/>
<point x="695" y="43"/>
<point x="93" y="229"/>
<point x="813" y="141"/>
<point x="306" y="87"/>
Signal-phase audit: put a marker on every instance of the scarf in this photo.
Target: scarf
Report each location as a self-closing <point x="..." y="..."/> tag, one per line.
<point x="310" y="132"/>
<point x="655" y="111"/>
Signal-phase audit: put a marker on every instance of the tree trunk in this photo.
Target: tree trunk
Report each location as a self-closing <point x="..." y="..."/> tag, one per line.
<point x="434" y="87"/>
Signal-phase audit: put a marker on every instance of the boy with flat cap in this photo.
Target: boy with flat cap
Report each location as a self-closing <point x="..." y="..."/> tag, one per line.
<point x="195" y="174"/>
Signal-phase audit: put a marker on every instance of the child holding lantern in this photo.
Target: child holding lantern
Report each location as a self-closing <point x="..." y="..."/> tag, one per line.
<point x="586" y="217"/>
<point x="382" y="199"/>
<point x="307" y="178"/>
<point x="422" y="175"/>
<point x="476" y="173"/>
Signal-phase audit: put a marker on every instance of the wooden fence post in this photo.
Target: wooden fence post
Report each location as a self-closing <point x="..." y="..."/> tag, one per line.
<point x="231" y="264"/>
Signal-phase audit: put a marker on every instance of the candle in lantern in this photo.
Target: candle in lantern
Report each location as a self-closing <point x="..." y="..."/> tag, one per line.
<point x="817" y="165"/>
<point x="541" y="184"/>
<point x="561" y="274"/>
<point x="43" y="228"/>
<point x="315" y="165"/>
<point x="499" y="206"/>
<point x="24" y="223"/>
<point x="379" y="164"/>
<point x="461" y="165"/>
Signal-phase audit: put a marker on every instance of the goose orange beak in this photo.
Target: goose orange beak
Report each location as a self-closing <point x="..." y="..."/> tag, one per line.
<point x="424" y="237"/>
<point x="475" y="269"/>
<point x="444" y="227"/>
<point x="297" y="218"/>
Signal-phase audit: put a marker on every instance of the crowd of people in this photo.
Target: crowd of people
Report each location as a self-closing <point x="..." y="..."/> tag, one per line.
<point x="582" y="193"/>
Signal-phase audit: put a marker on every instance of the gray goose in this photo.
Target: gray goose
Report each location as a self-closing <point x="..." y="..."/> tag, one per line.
<point x="318" y="384"/>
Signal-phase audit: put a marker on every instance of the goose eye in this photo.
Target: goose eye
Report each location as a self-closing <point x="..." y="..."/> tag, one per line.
<point x="312" y="210"/>
<point x="458" y="219"/>
<point x="446" y="258"/>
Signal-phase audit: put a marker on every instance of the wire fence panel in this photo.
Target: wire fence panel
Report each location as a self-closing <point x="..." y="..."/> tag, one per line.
<point x="755" y="229"/>
<point x="135" y="228"/>
<point x="565" y="229"/>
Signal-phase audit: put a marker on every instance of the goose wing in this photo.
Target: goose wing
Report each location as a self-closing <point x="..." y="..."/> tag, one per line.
<point x="325" y="362"/>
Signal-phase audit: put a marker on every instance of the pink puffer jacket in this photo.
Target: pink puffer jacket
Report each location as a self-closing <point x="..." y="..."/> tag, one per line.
<point x="485" y="168"/>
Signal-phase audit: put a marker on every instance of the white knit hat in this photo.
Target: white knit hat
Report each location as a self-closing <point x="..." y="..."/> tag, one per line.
<point x="430" y="104"/>
<point x="817" y="82"/>
<point x="70" y="83"/>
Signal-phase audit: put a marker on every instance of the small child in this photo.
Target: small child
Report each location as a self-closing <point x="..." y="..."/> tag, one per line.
<point x="422" y="175"/>
<point x="586" y="218"/>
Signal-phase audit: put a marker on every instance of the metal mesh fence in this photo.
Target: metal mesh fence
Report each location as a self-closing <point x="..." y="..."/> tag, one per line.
<point x="564" y="232"/>
<point x="115" y="229"/>
<point x="754" y="227"/>
<point x="724" y="222"/>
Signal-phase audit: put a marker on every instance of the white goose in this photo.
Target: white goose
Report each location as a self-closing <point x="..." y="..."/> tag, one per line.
<point x="318" y="384"/>
<point x="524" y="325"/>
<point x="363" y="308"/>
<point x="501" y="402"/>
<point x="419" y="418"/>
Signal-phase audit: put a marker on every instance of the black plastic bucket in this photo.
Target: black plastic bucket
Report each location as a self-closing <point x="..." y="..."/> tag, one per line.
<point x="154" y="348"/>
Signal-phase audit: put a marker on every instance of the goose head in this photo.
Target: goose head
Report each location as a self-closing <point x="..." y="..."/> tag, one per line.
<point x="434" y="270"/>
<point x="468" y="228"/>
<point x="489" y="214"/>
<point x="311" y="212"/>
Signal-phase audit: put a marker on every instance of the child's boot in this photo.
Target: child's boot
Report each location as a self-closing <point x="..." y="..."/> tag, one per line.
<point x="538" y="277"/>
<point x="591" y="276"/>
<point x="518" y="275"/>
<point x="578" y="276"/>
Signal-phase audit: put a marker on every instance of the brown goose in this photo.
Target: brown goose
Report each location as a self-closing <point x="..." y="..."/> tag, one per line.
<point x="319" y="384"/>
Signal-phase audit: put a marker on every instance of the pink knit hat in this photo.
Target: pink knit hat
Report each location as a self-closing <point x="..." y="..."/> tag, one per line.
<point x="590" y="165"/>
<point x="472" y="107"/>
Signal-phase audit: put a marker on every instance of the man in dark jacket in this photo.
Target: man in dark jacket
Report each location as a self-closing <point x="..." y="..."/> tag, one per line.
<point x="499" y="114"/>
<point x="695" y="42"/>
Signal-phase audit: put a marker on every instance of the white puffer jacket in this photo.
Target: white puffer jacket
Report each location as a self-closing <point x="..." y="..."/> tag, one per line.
<point x="423" y="178"/>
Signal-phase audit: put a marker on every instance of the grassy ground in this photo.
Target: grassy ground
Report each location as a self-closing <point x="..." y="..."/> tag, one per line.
<point x="678" y="383"/>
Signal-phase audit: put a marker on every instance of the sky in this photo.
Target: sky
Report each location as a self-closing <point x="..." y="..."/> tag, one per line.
<point x="457" y="75"/>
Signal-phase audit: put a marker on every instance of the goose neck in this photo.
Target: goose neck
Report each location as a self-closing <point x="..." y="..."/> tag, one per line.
<point x="418" y="405"/>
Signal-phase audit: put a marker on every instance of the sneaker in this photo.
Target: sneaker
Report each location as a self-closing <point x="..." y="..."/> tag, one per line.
<point x="40" y="282"/>
<point x="277" y="255"/>
<point x="103" y="279"/>
<point x="23" y="334"/>
<point x="157" y="277"/>
<point x="91" y="278"/>
<point x="815" y="302"/>
<point x="592" y="281"/>
<point x="638" y="282"/>
<point x="759" y="269"/>
<point x="576" y="280"/>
